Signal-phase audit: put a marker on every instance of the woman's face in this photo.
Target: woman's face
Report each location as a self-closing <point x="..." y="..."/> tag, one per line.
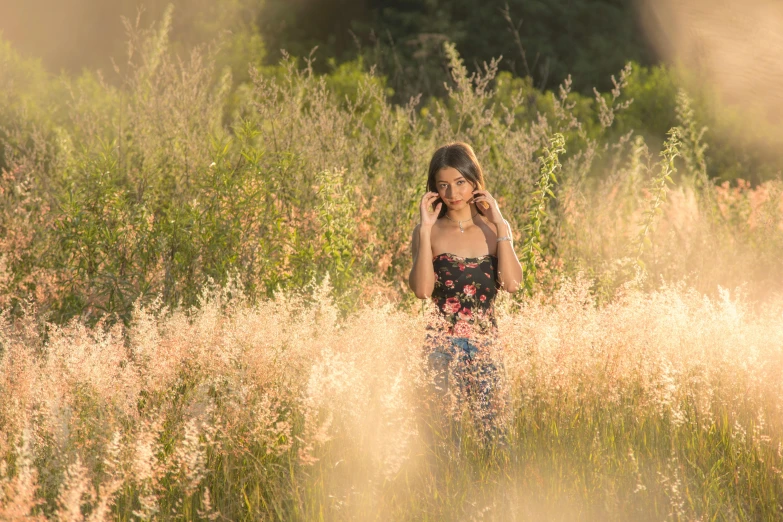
<point x="455" y="191"/>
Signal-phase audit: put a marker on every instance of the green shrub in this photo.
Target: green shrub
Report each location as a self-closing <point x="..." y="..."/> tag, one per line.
<point x="177" y="177"/>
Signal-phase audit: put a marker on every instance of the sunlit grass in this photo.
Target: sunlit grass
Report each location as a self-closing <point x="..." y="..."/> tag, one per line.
<point x="657" y="405"/>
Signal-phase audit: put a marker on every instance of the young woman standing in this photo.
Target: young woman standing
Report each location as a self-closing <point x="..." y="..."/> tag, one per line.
<point x="462" y="255"/>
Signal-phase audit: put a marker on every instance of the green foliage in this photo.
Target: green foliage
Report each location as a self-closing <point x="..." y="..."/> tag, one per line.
<point x="531" y="249"/>
<point x="653" y="111"/>
<point x="588" y="39"/>
<point x="657" y="190"/>
<point x="337" y="217"/>
<point x="692" y="146"/>
<point x="171" y="180"/>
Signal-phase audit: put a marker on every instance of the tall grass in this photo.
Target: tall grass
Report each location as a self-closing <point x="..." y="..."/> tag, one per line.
<point x="205" y="315"/>
<point x="660" y="405"/>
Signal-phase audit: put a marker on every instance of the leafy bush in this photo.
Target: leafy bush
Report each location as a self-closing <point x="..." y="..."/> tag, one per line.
<point x="178" y="177"/>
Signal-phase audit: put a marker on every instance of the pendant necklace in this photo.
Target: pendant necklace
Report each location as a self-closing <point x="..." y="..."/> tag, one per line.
<point x="460" y="221"/>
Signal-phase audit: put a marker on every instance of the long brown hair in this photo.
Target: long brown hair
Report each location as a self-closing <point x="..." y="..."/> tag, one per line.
<point x="459" y="156"/>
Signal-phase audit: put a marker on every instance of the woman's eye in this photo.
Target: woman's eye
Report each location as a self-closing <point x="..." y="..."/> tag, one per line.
<point x="460" y="182"/>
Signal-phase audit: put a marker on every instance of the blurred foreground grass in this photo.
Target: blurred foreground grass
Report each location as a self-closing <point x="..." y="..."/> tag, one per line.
<point x="660" y="405"/>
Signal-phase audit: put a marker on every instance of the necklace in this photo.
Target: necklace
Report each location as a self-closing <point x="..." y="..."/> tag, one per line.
<point x="461" y="221"/>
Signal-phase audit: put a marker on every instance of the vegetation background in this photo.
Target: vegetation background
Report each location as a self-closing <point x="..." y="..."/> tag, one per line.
<point x="201" y="214"/>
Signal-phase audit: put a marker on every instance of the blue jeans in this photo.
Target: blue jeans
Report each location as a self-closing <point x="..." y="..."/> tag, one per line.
<point x="465" y="374"/>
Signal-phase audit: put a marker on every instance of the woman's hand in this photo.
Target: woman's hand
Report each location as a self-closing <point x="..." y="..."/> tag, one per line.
<point x="493" y="212"/>
<point x="429" y="217"/>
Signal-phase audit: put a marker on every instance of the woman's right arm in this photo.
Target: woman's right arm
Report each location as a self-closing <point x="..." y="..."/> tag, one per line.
<point x="422" y="276"/>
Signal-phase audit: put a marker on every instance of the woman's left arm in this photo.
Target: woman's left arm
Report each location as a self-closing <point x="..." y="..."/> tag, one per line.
<point x="509" y="267"/>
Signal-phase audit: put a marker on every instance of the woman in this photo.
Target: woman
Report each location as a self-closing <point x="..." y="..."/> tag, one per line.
<point x="462" y="255"/>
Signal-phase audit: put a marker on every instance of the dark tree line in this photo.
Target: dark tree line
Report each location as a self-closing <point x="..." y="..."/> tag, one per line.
<point x="544" y="39"/>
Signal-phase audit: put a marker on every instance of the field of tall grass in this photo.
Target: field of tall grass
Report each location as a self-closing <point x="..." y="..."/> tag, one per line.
<point x="205" y="315"/>
<point x="659" y="405"/>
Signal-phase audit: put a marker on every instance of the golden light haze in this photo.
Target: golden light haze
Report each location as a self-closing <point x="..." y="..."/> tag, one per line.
<point x="732" y="51"/>
<point x="76" y="34"/>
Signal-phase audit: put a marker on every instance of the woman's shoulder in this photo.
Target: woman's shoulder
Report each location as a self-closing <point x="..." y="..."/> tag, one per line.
<point x="436" y="227"/>
<point x="435" y="234"/>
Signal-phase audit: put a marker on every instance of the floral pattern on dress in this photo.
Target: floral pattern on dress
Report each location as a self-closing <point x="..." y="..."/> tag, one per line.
<point x="465" y="290"/>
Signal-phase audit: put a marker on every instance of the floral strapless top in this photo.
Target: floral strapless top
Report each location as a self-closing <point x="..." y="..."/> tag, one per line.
<point x="465" y="290"/>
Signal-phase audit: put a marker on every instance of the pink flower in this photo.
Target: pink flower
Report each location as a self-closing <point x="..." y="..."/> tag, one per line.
<point x="469" y="290"/>
<point x="488" y="276"/>
<point x="466" y="314"/>
<point x="482" y="298"/>
<point x="462" y="329"/>
<point x="451" y="306"/>
<point x="471" y="265"/>
<point x="462" y="266"/>
<point x="449" y="283"/>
